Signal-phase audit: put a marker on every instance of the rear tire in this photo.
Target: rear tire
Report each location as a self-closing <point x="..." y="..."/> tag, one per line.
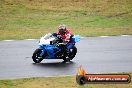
<point x="36" y="58"/>
<point x="66" y="59"/>
<point x="71" y="55"/>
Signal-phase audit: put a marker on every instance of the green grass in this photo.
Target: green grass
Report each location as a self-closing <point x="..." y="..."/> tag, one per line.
<point x="20" y="19"/>
<point x="55" y="82"/>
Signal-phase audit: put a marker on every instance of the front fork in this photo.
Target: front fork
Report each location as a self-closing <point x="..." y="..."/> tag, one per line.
<point x="42" y="49"/>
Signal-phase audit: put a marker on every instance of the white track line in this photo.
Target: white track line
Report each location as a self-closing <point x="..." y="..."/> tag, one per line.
<point x="125" y="35"/>
<point x="29" y="39"/>
<point x="81" y="37"/>
<point x="103" y="36"/>
<point x="8" y="40"/>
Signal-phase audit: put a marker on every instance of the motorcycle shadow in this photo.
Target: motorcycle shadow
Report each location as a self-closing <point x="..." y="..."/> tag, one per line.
<point x="55" y="64"/>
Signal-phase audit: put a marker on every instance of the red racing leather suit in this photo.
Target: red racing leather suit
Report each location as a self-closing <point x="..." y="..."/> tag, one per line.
<point x="67" y="35"/>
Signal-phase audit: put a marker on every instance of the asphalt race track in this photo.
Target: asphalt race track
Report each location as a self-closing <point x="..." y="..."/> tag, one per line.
<point x="95" y="54"/>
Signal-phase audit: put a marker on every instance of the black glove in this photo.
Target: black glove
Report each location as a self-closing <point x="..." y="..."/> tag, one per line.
<point x="55" y="34"/>
<point x="59" y="37"/>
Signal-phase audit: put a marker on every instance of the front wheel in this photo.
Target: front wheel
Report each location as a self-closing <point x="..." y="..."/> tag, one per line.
<point x="36" y="56"/>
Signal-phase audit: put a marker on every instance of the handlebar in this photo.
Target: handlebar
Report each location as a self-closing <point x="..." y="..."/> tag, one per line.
<point x="62" y="43"/>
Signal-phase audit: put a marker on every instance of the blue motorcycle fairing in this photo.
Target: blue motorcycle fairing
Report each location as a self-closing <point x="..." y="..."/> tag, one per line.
<point x="70" y="45"/>
<point x="42" y="49"/>
<point x="50" y="49"/>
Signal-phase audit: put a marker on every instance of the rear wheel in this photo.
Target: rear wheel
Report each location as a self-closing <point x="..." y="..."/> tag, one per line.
<point x="36" y="56"/>
<point x="71" y="54"/>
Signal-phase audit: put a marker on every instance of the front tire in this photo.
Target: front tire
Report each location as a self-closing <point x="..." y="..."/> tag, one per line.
<point x="36" y="56"/>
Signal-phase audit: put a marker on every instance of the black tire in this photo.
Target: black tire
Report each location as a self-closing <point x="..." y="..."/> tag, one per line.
<point x="35" y="56"/>
<point x="71" y="55"/>
<point x="66" y="59"/>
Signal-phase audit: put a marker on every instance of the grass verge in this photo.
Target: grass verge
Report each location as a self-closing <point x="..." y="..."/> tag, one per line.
<point x="22" y="19"/>
<point x="33" y="34"/>
<point x="55" y="82"/>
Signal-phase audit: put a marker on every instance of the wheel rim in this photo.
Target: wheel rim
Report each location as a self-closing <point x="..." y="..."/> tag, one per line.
<point x="37" y="58"/>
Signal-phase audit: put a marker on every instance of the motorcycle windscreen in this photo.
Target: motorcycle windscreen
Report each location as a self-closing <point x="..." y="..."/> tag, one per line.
<point x="46" y="39"/>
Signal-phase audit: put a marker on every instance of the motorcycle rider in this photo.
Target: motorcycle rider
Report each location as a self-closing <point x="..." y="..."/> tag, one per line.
<point x="65" y="35"/>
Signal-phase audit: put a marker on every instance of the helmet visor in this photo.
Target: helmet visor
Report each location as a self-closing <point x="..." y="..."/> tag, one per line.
<point x="62" y="31"/>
